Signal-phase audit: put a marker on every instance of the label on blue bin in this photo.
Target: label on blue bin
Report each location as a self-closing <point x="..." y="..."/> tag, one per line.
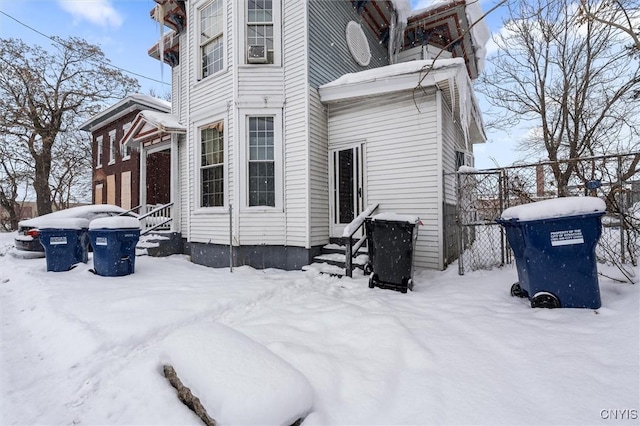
<point x="101" y="241"/>
<point x="54" y="241"/>
<point x="567" y="238"/>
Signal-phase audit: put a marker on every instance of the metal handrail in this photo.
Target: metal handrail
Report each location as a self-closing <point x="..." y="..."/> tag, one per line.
<point x="350" y="249"/>
<point x="131" y="210"/>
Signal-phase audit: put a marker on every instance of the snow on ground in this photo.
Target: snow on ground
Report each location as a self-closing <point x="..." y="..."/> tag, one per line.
<point x="78" y="348"/>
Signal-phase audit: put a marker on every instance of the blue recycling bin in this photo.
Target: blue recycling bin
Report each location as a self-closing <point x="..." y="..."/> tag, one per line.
<point x="555" y="256"/>
<point x="114" y="243"/>
<point x="65" y="243"/>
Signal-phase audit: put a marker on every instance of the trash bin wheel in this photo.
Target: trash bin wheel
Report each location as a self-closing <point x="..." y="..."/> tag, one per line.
<point x="545" y="299"/>
<point x="517" y="291"/>
<point x="372" y="280"/>
<point x="368" y="269"/>
<point x="407" y="283"/>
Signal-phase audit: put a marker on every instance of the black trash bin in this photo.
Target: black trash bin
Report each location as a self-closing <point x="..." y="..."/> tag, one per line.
<point x="391" y="240"/>
<point x="114" y="241"/>
<point x="65" y="243"/>
<point x="554" y="243"/>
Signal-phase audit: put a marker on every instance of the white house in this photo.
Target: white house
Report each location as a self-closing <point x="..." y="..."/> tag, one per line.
<point x="290" y="117"/>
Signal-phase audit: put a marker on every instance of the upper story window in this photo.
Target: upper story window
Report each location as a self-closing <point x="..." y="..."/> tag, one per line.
<point x="112" y="147"/>
<point x="212" y="165"/>
<point x="125" y="150"/>
<point x="211" y="37"/>
<point x="99" y="151"/>
<point x="260" y="35"/>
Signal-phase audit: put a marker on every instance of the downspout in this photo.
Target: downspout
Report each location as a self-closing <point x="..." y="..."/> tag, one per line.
<point x="189" y="134"/>
<point x="234" y="140"/>
<point x="440" y="162"/>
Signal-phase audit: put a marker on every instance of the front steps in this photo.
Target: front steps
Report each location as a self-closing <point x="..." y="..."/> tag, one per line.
<point x="332" y="260"/>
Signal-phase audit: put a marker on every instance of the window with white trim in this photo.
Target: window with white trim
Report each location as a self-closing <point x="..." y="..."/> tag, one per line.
<point x="125" y="150"/>
<point x="211" y="38"/>
<point x="212" y="165"/>
<point x="260" y="35"/>
<point x="99" y="151"/>
<point x="112" y="146"/>
<point x="261" y="159"/>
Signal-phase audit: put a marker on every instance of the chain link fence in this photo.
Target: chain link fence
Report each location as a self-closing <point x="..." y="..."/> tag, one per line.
<point x="480" y="242"/>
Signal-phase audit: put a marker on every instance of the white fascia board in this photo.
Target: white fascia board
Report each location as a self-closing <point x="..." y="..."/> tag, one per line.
<point x="384" y="85"/>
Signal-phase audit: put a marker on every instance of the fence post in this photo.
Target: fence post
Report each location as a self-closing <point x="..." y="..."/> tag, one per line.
<point x="459" y="225"/>
<point x="621" y="212"/>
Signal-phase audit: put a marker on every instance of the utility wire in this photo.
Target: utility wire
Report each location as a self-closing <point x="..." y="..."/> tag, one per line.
<point x="104" y="63"/>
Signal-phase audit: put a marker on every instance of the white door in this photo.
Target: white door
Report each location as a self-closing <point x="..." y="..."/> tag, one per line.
<point x="347" y="187"/>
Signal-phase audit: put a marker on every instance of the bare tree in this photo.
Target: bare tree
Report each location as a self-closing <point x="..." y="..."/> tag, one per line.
<point x="571" y="79"/>
<point x="14" y="181"/>
<point x="622" y="15"/>
<point x="42" y="91"/>
<point x="71" y="170"/>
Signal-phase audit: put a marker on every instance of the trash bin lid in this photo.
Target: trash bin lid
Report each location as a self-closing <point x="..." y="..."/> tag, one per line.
<point x="115" y="222"/>
<point x="395" y="217"/>
<point x="556" y="207"/>
<point x="65" y="223"/>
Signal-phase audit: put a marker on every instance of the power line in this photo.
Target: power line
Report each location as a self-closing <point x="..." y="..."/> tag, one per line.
<point x="102" y="62"/>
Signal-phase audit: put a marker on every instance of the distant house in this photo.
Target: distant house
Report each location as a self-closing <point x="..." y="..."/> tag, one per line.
<point x="289" y="118"/>
<point x="117" y="169"/>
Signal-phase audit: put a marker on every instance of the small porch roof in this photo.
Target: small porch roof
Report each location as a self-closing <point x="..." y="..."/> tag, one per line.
<point x="447" y="75"/>
<point x="152" y="127"/>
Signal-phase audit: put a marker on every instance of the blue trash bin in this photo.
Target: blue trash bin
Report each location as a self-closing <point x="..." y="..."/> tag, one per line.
<point x="554" y="244"/>
<point x="114" y="241"/>
<point x="65" y="243"/>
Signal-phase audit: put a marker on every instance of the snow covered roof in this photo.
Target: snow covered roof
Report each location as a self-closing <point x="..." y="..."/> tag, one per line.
<point x="152" y="126"/>
<point x="449" y="75"/>
<point x="135" y="101"/>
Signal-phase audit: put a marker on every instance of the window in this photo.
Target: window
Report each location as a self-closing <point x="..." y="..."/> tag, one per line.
<point x="125" y="150"/>
<point x="211" y="38"/>
<point x="212" y="165"/>
<point x="112" y="147"/>
<point x="459" y="159"/>
<point x="99" y="152"/>
<point x="260" y="31"/>
<point x="261" y="161"/>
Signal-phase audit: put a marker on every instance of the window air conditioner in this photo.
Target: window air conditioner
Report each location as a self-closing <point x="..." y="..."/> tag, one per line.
<point x="257" y="54"/>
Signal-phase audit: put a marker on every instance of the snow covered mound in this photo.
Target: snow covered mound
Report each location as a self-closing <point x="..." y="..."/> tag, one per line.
<point x="238" y="381"/>
<point x="557" y="207"/>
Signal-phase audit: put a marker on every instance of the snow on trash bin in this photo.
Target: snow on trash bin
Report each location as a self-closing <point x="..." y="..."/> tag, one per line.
<point x="114" y="242"/>
<point x="554" y="242"/>
<point x="65" y="243"/>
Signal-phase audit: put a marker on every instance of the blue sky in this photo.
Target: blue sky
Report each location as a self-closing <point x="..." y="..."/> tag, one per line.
<point x="125" y="31"/>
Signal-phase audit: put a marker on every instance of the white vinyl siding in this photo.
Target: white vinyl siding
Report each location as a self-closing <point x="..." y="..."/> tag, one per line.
<point x="403" y="177"/>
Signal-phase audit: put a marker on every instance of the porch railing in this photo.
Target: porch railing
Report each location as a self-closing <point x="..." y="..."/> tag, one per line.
<point x="351" y="249"/>
<point x="158" y="217"/>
